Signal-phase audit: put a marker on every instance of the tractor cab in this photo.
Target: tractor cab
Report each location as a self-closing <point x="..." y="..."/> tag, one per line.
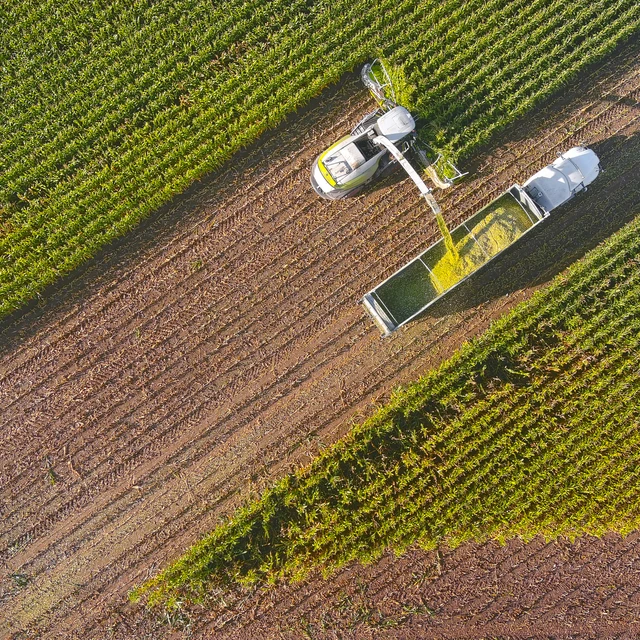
<point x="570" y="173"/>
<point x="353" y="161"/>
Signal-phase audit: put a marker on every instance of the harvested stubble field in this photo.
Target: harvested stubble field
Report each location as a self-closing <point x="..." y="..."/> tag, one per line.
<point x="188" y="367"/>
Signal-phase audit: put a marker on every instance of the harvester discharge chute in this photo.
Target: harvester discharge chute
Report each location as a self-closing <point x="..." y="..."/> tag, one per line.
<point x="383" y="140"/>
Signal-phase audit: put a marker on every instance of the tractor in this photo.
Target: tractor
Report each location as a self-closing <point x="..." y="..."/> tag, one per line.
<point x="383" y="140"/>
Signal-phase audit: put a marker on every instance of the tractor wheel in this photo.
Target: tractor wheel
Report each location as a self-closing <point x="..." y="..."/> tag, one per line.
<point x="386" y="167"/>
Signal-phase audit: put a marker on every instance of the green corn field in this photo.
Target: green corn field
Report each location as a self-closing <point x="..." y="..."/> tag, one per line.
<point x="531" y="429"/>
<point x="110" y="109"/>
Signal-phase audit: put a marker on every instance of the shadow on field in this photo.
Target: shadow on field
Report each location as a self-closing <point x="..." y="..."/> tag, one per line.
<point x="567" y="235"/>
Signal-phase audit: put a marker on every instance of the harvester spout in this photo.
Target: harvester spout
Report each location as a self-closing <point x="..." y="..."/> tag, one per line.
<point x="413" y="174"/>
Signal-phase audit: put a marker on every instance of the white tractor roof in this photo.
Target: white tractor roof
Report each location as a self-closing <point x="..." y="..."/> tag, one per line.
<point x="570" y="173"/>
<point x="343" y="162"/>
<point x="396" y="124"/>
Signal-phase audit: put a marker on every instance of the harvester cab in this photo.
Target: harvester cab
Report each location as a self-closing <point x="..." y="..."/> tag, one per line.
<point x="381" y="141"/>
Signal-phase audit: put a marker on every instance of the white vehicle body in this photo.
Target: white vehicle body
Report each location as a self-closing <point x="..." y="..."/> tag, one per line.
<point x="353" y="161"/>
<point x="558" y="182"/>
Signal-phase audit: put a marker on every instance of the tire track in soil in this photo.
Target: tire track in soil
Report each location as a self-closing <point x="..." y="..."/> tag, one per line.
<point x="534" y="589"/>
<point x="256" y="425"/>
<point x="173" y="374"/>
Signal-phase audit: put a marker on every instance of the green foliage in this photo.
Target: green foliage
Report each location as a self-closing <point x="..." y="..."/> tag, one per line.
<point x="530" y="429"/>
<point x="109" y="109"/>
<point x="404" y="91"/>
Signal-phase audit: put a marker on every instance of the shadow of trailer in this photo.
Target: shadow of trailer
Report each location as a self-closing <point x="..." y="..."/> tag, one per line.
<point x="412" y="289"/>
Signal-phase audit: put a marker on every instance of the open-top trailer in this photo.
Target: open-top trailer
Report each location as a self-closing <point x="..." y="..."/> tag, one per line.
<point x="412" y="289"/>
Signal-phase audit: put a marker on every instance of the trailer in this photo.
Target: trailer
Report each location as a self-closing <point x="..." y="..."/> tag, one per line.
<point x="411" y="290"/>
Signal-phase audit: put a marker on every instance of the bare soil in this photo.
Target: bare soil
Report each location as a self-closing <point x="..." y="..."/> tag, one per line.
<point x="193" y="363"/>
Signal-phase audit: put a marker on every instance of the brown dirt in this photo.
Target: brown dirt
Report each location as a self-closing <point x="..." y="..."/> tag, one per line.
<point x="559" y="590"/>
<point x="190" y="365"/>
